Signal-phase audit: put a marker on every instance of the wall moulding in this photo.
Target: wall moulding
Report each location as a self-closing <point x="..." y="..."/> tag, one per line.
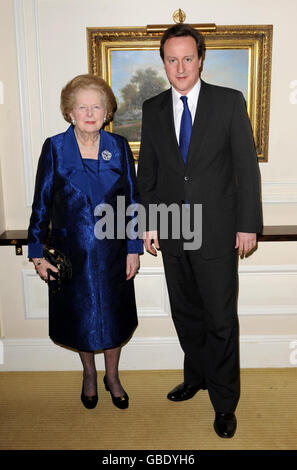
<point x="143" y="353"/>
<point x="29" y="78"/>
<point x="276" y="302"/>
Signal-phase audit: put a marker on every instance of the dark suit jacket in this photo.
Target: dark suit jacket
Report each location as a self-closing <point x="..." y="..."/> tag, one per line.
<point x="221" y="171"/>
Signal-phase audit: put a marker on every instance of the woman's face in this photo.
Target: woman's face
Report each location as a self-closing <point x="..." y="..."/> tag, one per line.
<point x="89" y="110"/>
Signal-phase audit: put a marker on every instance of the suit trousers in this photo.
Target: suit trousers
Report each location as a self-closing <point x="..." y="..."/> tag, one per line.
<point x="203" y="298"/>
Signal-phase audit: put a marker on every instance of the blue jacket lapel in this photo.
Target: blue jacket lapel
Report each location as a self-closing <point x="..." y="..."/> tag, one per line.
<point x="72" y="162"/>
<point x="70" y="151"/>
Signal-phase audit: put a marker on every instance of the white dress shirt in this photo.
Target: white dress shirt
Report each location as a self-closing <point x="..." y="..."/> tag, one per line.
<point x="178" y="106"/>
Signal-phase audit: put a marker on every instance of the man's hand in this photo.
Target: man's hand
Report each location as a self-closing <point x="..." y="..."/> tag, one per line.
<point x="245" y="242"/>
<point x="151" y="242"/>
<point x="132" y="265"/>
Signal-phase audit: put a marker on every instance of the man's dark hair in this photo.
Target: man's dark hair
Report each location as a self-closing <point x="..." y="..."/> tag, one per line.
<point x="180" y="30"/>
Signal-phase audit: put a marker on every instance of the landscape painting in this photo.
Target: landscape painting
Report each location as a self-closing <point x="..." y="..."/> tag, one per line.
<point x="137" y="75"/>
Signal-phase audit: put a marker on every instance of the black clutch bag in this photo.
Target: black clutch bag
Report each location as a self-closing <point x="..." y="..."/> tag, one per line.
<point x="62" y="263"/>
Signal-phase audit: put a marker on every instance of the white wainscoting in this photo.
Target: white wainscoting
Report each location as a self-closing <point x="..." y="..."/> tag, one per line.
<point x="279" y="192"/>
<point x="264" y="290"/>
<point x="267" y="290"/>
<point x="150" y="287"/>
<point x="150" y="353"/>
<point x="278" y="282"/>
<point x="30" y="87"/>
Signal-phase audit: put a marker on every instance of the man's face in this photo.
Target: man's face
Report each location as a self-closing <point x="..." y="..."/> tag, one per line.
<point x="181" y="63"/>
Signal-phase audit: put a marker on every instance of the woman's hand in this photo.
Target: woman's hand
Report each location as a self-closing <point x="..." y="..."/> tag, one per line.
<point x="41" y="267"/>
<point x="132" y="265"/>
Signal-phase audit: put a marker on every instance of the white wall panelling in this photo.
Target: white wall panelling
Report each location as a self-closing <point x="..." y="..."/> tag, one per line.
<point x="279" y="192"/>
<point x="30" y="95"/>
<point x="2" y="211"/>
<point x="256" y="351"/>
<point x="24" y="99"/>
<point x="150" y="286"/>
<point x="34" y="295"/>
<point x="268" y="290"/>
<point x="151" y="293"/>
<point x="276" y="292"/>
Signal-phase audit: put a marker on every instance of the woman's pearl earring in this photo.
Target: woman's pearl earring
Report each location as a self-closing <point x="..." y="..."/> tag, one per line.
<point x="73" y="121"/>
<point x="104" y="119"/>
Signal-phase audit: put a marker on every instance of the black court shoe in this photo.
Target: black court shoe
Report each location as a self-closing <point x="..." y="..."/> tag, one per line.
<point x="89" y="402"/>
<point x="120" y="402"/>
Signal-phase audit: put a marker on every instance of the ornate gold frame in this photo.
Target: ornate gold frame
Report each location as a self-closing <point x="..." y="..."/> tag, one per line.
<point x="256" y="38"/>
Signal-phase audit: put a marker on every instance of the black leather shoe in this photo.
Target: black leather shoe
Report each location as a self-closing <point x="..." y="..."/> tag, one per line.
<point x="120" y="402"/>
<point x="225" y="424"/>
<point x="184" y="392"/>
<point x="89" y="402"/>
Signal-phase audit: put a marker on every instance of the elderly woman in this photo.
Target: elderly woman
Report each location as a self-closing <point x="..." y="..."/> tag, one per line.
<point x="78" y="170"/>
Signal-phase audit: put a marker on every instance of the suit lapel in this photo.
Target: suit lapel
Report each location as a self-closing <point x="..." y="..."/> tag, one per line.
<point x="203" y="113"/>
<point x="167" y="119"/>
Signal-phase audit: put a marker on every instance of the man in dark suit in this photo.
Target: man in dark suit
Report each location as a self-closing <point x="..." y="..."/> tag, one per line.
<point x="200" y="150"/>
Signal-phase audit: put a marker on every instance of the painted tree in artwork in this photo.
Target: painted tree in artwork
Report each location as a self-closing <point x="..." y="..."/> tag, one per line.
<point x="143" y="85"/>
<point x="148" y="84"/>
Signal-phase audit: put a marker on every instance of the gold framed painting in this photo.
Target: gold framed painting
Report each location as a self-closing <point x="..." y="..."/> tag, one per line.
<point x="236" y="56"/>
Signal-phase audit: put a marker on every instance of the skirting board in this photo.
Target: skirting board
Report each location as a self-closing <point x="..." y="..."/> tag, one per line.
<point x="148" y="353"/>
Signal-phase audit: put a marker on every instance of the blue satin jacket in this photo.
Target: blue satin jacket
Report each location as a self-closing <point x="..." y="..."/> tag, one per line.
<point x="96" y="309"/>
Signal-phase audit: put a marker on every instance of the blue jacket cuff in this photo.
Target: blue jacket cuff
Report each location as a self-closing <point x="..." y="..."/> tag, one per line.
<point x="35" y="250"/>
<point x="134" y="246"/>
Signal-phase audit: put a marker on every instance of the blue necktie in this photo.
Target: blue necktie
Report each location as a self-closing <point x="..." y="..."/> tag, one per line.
<point x="185" y="129"/>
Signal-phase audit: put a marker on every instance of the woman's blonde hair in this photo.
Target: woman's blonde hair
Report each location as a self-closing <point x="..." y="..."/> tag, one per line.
<point x="85" y="82"/>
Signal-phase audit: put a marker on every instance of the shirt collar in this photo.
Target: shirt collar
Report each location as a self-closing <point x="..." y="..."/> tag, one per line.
<point x="192" y="95"/>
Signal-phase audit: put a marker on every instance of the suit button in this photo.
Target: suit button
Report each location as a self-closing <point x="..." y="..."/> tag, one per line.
<point x="186" y="178"/>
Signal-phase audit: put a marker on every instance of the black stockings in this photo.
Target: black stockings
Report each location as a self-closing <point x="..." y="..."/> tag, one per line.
<point x="111" y="359"/>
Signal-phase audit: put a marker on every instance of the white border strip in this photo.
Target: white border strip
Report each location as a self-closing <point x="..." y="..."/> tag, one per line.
<point x="145" y="353"/>
<point x="25" y="117"/>
<point x="268" y="269"/>
<point x="38" y="64"/>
